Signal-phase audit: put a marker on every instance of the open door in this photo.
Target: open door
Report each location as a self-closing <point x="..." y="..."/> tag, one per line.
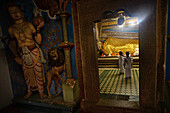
<point x="116" y="34"/>
<point x="150" y="16"/>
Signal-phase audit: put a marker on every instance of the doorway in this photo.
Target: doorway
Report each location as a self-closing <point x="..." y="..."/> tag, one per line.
<point x="117" y="32"/>
<point x="85" y="13"/>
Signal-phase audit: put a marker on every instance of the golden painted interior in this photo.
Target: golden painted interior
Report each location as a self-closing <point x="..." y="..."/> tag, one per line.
<point x="114" y="45"/>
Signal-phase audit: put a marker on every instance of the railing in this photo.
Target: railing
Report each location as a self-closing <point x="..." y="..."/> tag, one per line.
<point x="112" y="62"/>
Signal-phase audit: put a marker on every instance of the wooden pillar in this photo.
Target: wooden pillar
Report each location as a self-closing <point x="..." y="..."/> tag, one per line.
<point x="162" y="16"/>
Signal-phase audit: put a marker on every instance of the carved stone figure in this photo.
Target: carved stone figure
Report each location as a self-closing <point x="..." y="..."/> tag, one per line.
<point x="56" y="61"/>
<point x="31" y="57"/>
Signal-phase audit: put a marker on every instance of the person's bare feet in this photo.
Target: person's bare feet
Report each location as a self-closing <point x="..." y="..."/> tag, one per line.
<point x="43" y="95"/>
<point x="28" y="95"/>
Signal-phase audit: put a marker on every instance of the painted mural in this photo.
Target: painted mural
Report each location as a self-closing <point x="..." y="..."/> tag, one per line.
<point x="51" y="38"/>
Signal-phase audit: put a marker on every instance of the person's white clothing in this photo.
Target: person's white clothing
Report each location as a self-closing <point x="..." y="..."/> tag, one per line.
<point x="121" y="67"/>
<point x="128" y="63"/>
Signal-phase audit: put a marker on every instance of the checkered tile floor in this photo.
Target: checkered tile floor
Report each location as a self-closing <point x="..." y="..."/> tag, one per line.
<point x="113" y="83"/>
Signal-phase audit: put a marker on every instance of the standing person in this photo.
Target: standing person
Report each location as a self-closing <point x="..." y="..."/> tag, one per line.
<point x="127" y="63"/>
<point x="31" y="57"/>
<point x="121" y="60"/>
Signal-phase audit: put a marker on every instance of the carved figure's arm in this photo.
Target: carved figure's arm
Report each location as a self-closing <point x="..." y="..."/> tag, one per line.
<point x="37" y="34"/>
<point x="12" y="43"/>
<point x="13" y="47"/>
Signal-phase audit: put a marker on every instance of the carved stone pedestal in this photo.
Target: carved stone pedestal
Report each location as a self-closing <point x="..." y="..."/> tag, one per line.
<point x="70" y="90"/>
<point x="35" y="104"/>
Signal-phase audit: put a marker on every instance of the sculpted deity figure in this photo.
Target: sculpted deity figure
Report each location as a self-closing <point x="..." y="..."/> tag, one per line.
<point x="31" y="59"/>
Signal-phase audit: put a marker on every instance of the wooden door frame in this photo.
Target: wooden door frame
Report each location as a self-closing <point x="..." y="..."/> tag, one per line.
<point x="152" y="33"/>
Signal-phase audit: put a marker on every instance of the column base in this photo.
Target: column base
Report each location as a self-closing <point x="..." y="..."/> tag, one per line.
<point x="70" y="90"/>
